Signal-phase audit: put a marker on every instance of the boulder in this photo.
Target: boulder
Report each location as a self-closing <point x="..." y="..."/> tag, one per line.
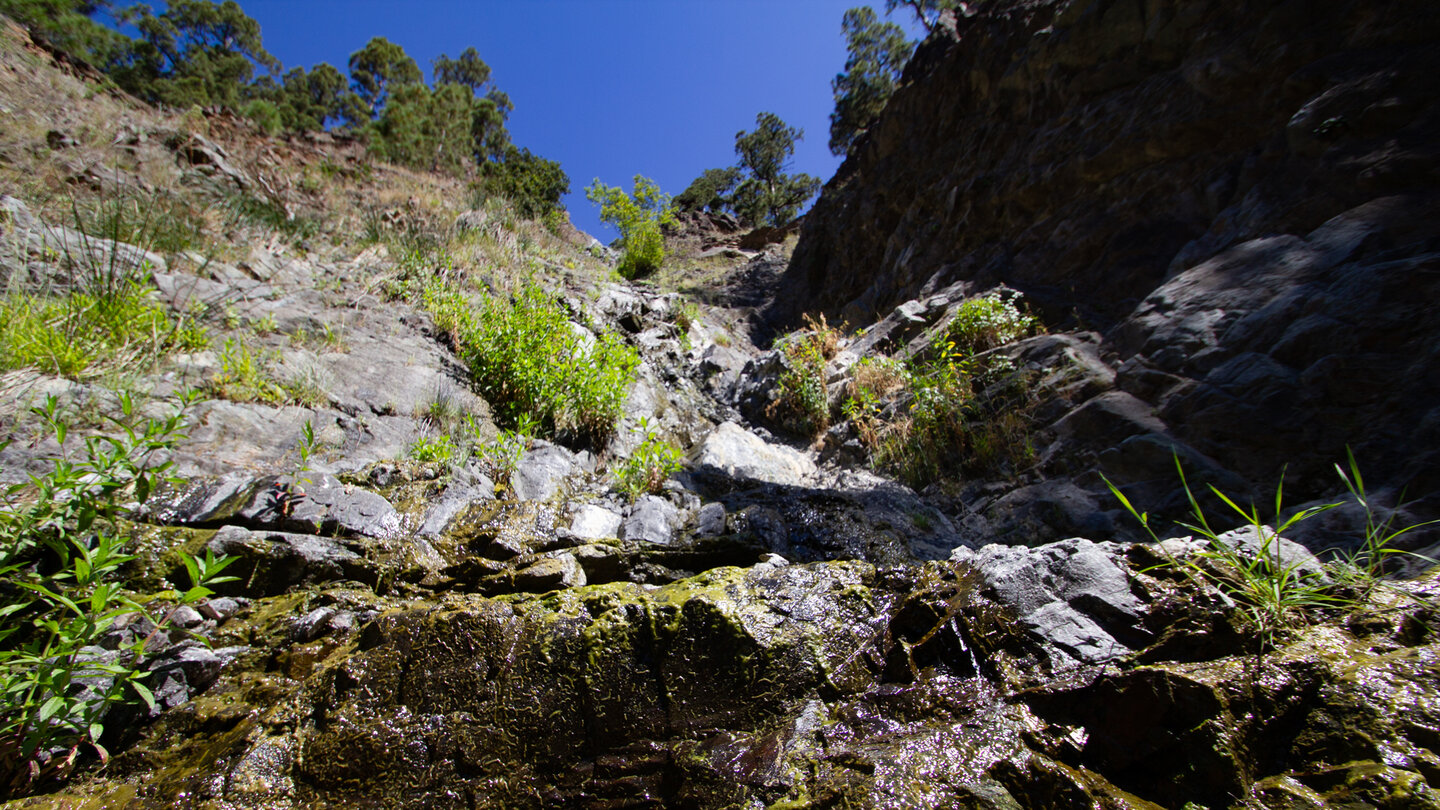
<point x="651" y="519"/>
<point x="737" y="453"/>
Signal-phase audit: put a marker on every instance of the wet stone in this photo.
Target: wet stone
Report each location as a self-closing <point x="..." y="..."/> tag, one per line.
<point x="595" y="522"/>
<point x="651" y="520"/>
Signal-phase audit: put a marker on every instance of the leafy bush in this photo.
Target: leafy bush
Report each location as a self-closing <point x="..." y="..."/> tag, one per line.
<point x="990" y="320"/>
<point x="61" y="550"/>
<point x="532" y="184"/>
<point x="265" y="115"/>
<point x="530" y="362"/>
<point x="947" y="411"/>
<point x="803" y="404"/>
<point x="647" y="469"/>
<point x="639" y="217"/>
<point x="433" y="448"/>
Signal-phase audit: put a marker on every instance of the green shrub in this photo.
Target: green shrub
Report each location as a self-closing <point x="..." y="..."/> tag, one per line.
<point x="265" y="115"/>
<point x="530" y="363"/>
<point x="433" y="449"/>
<point x="803" y="401"/>
<point x="990" y="320"/>
<point x="962" y="413"/>
<point x="61" y="551"/>
<point x="81" y="334"/>
<point x="638" y="217"/>
<point x="532" y="184"/>
<point x="246" y="376"/>
<point x="647" y="469"/>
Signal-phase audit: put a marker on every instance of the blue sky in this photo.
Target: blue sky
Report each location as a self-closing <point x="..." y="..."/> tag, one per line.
<point x="610" y="88"/>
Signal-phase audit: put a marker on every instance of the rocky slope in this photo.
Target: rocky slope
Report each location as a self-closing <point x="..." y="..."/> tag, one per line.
<point x="1236" y="204"/>
<point x="778" y="625"/>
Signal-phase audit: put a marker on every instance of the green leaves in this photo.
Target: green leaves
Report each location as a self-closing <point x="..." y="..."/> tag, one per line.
<point x="531" y="365"/>
<point x="61" y="550"/>
<point x="877" y="55"/>
<point x="769" y="196"/>
<point x="648" y="467"/>
<point x="638" y="216"/>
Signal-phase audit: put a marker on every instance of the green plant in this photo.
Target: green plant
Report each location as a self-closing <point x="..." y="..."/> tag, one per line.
<point x="265" y="325"/>
<point x="432" y="448"/>
<point x="639" y="217"/>
<point x="106" y="317"/>
<point x="985" y="322"/>
<point x="501" y="455"/>
<point x="1275" y="592"/>
<point x="272" y="215"/>
<point x="245" y="376"/>
<point x="529" y="362"/>
<point x="1363" y="567"/>
<point x="687" y="314"/>
<point x="647" y="468"/>
<point x="803" y="401"/>
<point x="533" y="185"/>
<point x="61" y="552"/>
<point x="306" y="446"/>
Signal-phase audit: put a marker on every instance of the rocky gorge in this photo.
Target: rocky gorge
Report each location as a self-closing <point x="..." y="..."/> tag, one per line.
<point x="784" y="620"/>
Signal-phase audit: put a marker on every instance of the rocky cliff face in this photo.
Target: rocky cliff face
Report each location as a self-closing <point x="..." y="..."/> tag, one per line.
<point x="1239" y="198"/>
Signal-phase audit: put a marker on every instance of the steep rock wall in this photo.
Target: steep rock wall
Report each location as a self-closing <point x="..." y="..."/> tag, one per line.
<point x="1081" y="150"/>
<point x="1239" y="197"/>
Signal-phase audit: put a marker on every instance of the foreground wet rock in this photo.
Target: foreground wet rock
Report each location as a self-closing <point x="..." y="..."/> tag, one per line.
<point x="1072" y="674"/>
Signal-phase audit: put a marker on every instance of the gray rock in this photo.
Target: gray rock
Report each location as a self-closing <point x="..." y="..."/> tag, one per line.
<point x="454" y="501"/>
<point x="1250" y="542"/>
<point x="271" y="562"/>
<point x="542" y="472"/>
<point x="312" y="625"/>
<point x="203" y="501"/>
<point x="1073" y="596"/>
<point x="651" y="520"/>
<point x="318" y="503"/>
<point x="186" y="617"/>
<point x="601" y="563"/>
<point x="738" y="453"/>
<point x="548" y="574"/>
<point x="711" y="520"/>
<point x="593" y="522"/>
<point x="208" y="157"/>
<point x="223" y="607"/>
<point x="200" y="664"/>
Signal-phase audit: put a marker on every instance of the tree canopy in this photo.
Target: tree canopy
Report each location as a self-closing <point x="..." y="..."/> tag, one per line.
<point x="878" y="52"/>
<point x="927" y="12"/>
<point x="769" y="196"/>
<point x="710" y="191"/>
<point x="210" y="54"/>
<point x="757" y="190"/>
<point x="194" y="52"/>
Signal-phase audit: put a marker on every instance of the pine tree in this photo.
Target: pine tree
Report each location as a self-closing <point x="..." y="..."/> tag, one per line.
<point x="877" y="54"/>
<point x="769" y="196"/>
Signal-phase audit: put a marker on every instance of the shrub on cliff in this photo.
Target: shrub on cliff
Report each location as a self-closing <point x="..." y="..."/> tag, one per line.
<point x="639" y="217"/>
<point x="531" y="364"/>
<point x="532" y="184"/>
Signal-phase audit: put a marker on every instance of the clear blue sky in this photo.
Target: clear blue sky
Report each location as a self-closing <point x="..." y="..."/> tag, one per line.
<point x="610" y="88"/>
